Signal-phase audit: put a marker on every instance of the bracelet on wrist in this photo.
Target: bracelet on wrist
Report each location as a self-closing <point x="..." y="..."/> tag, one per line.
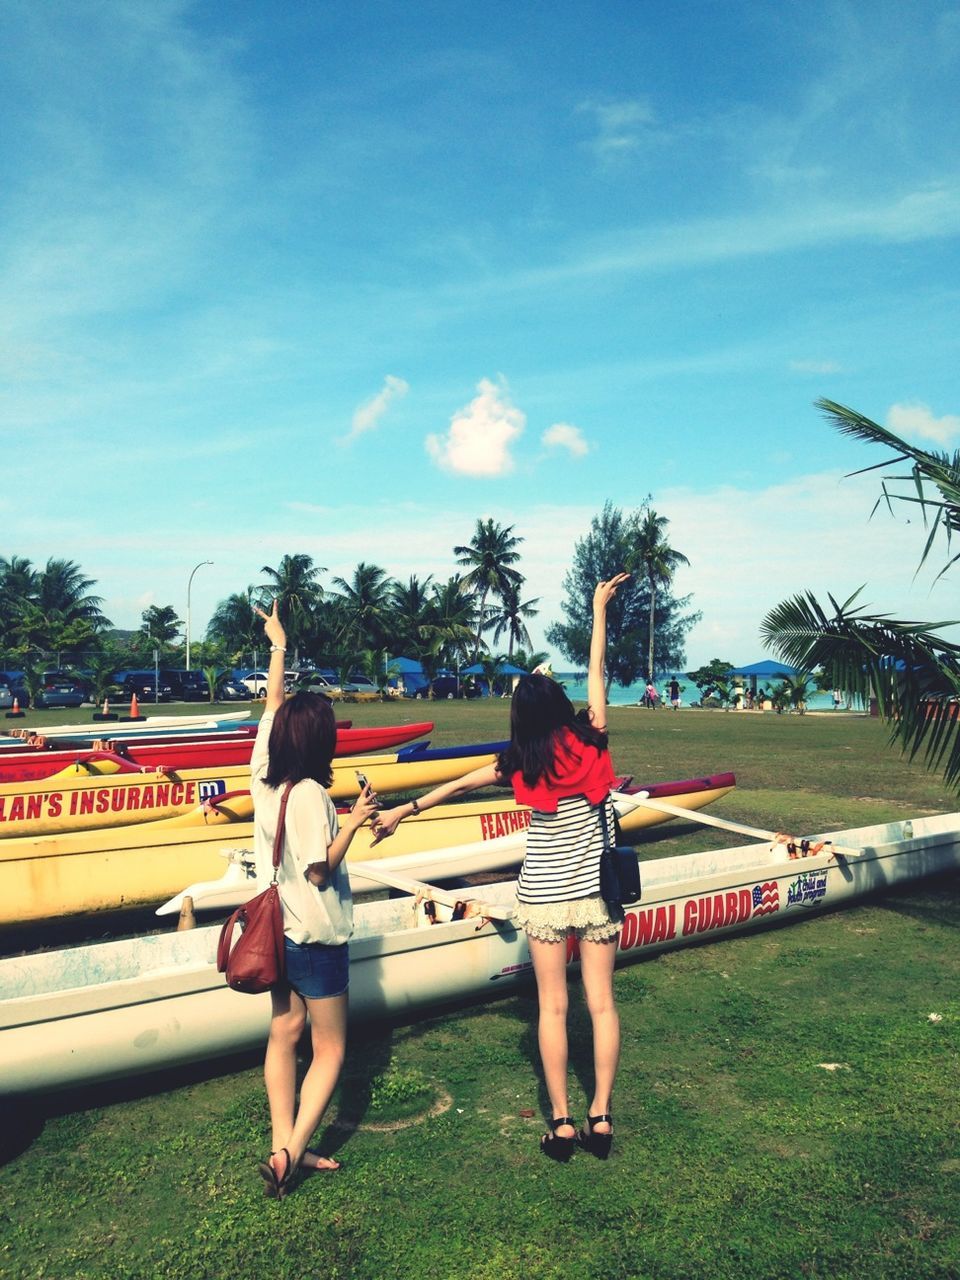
<point x="414" y="808"/>
<point x="278" y="648"/>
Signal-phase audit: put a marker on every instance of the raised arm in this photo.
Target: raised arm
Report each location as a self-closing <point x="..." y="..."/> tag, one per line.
<point x="596" y="679"/>
<point x="273" y="629"/>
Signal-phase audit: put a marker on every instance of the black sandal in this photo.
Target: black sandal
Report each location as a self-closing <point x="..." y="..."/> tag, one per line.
<point x="557" y="1148"/>
<point x="598" y="1144"/>
<point x="273" y="1187"/>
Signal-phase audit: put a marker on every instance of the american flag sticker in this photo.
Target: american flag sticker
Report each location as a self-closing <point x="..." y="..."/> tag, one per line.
<point x="766" y="898"/>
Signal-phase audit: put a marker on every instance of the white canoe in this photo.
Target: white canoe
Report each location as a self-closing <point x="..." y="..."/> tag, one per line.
<point x="238" y="883"/>
<point x="150" y="724"/>
<point x="86" y="1014"/>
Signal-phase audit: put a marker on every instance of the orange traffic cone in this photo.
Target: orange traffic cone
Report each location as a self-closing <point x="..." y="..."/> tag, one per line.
<point x="134" y="710"/>
<point x="15" y="713"/>
<point x="106" y="713"/>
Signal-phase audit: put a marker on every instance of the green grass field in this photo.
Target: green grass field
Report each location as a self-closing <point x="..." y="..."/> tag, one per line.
<point x="786" y="1106"/>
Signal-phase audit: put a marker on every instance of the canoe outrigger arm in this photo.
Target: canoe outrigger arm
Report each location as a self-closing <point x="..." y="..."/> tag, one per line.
<point x="371" y="871"/>
<point x="642" y="798"/>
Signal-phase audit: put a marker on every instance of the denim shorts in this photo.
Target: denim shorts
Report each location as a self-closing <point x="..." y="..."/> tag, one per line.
<point x="315" y="970"/>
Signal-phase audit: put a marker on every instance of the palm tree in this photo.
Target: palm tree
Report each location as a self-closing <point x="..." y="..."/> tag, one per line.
<point x="510" y="619"/>
<point x="365" y="604"/>
<point x="161" y="625"/>
<point x="792" y="693"/>
<point x="528" y="659"/>
<point x="911" y="670"/>
<point x="408" y="604"/>
<point x="653" y="558"/>
<point x="295" y="585"/>
<point x="448" y="626"/>
<point x="234" y="625"/>
<point x="49" y="610"/>
<point x="489" y="557"/>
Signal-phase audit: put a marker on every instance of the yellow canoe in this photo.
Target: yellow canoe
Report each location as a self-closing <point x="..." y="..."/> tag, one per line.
<point x="73" y="873"/>
<point x="82" y="797"/>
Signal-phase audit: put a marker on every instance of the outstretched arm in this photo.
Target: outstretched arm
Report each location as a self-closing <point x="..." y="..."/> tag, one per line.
<point x="273" y="629"/>
<point x="485" y="776"/>
<point x="596" y="680"/>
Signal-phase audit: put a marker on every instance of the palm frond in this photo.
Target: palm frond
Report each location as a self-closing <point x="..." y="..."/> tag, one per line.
<point x="938" y="469"/>
<point x="908" y="667"/>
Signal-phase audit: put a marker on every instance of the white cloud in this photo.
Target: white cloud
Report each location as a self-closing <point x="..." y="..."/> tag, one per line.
<point x="918" y="420"/>
<point x="562" y="435"/>
<point x="480" y="435"/>
<point x="620" y="125"/>
<point x="815" y="366"/>
<point x="371" y="411"/>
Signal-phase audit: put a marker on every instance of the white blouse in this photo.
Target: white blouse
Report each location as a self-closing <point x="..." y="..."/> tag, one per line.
<point x="310" y="913"/>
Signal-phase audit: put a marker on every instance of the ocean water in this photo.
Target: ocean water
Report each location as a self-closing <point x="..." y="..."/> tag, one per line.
<point x="575" y="687"/>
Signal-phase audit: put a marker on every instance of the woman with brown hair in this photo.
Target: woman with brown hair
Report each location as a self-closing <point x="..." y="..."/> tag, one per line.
<point x="291" y="769"/>
<point x="558" y="764"/>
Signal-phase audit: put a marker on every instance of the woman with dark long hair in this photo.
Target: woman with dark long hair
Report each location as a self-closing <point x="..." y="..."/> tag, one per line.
<point x="558" y="764"/>
<point x="292" y="757"/>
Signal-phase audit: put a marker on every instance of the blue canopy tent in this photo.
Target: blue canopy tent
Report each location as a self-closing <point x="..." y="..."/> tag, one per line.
<point x="758" y="673"/>
<point x="408" y="674"/>
<point x="766" y="670"/>
<point x="504" y="669"/>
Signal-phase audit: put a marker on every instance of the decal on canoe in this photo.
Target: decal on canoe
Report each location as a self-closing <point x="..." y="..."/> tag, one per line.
<point x="494" y="825"/>
<point x="211" y="788"/>
<point x="808" y="889"/>
<point x="766" y="898"/>
<point x="134" y="797"/>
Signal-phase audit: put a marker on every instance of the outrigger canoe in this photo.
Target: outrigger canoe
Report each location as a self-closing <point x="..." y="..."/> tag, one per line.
<point x="75" y="800"/>
<point x="82" y="1015"/>
<point x="76" y="872"/>
<point x="117" y="756"/>
<point x="495" y="829"/>
<point x="148" y="725"/>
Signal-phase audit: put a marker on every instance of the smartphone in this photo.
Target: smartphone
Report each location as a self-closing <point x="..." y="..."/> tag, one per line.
<point x="362" y="779"/>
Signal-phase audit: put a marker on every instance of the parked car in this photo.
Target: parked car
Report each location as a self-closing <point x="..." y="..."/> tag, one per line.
<point x="229" y="689"/>
<point x="144" y="685"/>
<point x="187" y="686"/>
<point x="315" y="682"/>
<point x="447" y="685"/>
<point x="256" y="682"/>
<point x="359" y="684"/>
<point x="6" y="694"/>
<point x="71" y="677"/>
<point x="18" y="686"/>
<point x="59" y="693"/>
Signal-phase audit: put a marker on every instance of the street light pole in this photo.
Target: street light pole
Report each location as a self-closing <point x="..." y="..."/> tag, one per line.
<point x="189" y="585"/>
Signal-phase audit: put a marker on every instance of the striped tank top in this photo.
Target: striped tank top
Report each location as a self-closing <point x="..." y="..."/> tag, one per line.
<point x="562" y="860"/>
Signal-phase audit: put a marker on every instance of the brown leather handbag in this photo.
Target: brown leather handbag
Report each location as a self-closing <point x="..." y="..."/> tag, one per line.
<point x="256" y="962"/>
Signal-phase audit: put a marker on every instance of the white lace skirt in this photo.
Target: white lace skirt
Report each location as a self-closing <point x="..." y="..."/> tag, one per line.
<point x="587" y="917"/>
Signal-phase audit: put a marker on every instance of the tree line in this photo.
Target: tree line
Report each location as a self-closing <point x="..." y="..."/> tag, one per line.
<point x="480" y="614"/>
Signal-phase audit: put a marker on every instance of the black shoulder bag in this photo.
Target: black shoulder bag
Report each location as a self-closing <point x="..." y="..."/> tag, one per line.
<point x="619" y="871"/>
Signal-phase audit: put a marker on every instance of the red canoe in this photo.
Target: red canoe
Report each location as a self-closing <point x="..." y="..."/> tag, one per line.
<point x="125" y="757"/>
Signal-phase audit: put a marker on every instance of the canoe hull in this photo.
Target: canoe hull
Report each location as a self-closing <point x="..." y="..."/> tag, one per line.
<point x="87" y="1014"/>
<point x="74" y="873"/>
<point x="72" y="800"/>
<point x="194" y="752"/>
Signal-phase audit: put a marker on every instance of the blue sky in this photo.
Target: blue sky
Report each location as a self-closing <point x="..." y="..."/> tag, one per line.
<point x="341" y="278"/>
